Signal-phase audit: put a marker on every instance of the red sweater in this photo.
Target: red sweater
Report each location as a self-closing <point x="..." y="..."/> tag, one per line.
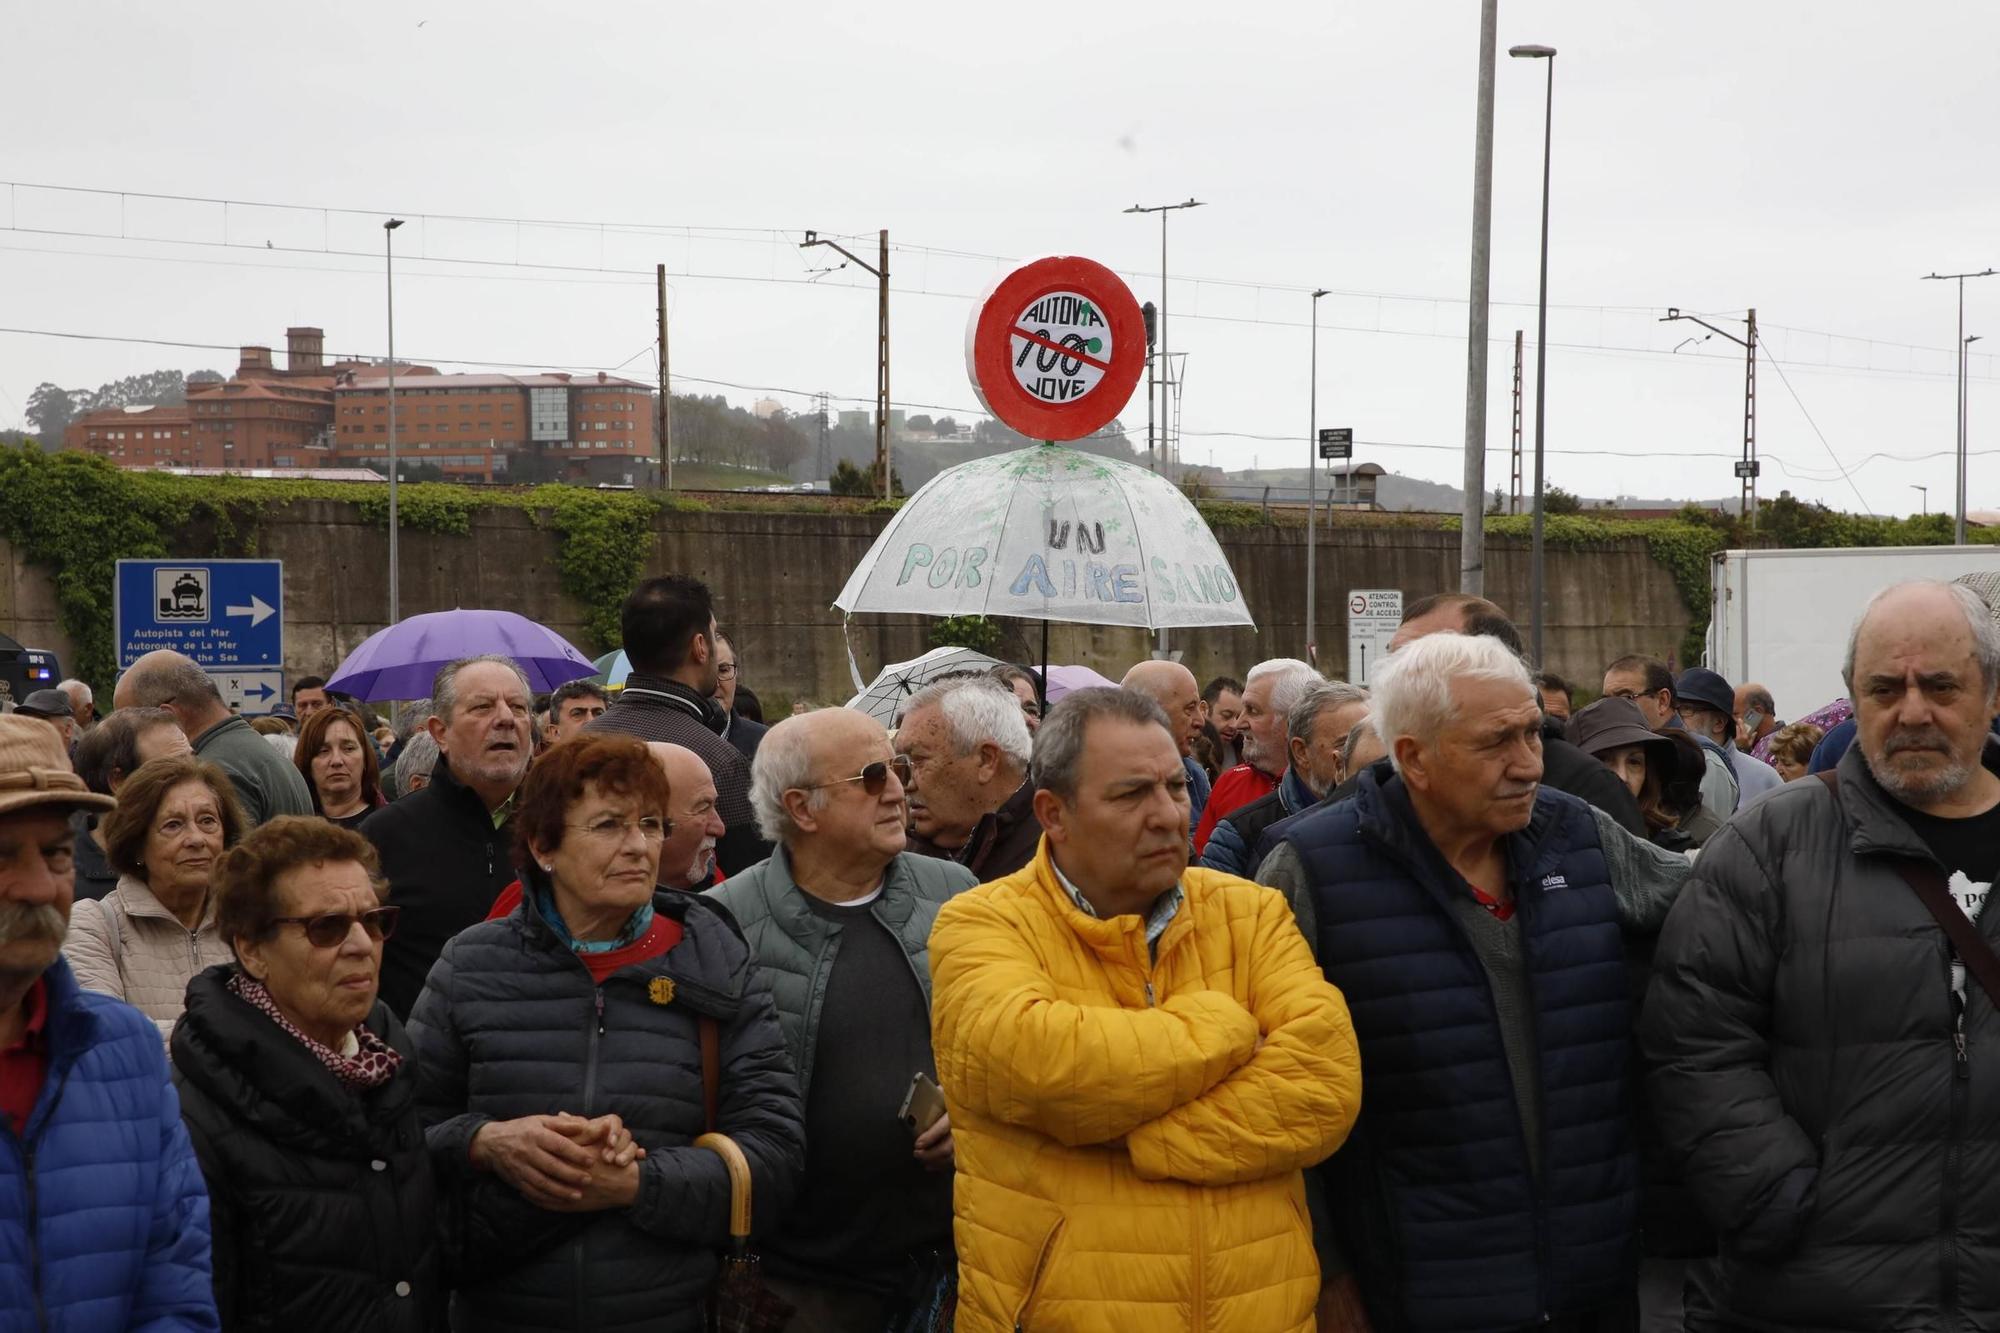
<point x="662" y="935"/>
<point x="1233" y="790"/>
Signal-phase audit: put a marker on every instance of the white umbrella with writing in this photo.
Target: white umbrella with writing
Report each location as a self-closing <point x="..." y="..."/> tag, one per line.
<point x="1049" y="533"/>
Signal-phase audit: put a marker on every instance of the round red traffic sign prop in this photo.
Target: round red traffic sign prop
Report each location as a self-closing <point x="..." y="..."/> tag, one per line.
<point x="1056" y="347"/>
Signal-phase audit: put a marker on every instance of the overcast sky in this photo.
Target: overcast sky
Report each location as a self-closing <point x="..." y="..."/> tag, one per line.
<point x="1808" y="159"/>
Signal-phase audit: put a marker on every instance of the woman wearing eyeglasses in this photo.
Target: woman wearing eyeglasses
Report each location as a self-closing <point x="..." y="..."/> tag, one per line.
<point x="143" y="941"/>
<point x="299" y="1089"/>
<point x="562" y="1065"/>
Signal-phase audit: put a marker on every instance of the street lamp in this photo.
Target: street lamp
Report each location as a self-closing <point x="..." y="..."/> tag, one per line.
<point x="1166" y="366"/>
<point x="389" y="272"/>
<point x="1958" y="526"/>
<point x="1964" y="423"/>
<point x="1535" y="591"/>
<point x="1925" y="498"/>
<point x="1312" y="482"/>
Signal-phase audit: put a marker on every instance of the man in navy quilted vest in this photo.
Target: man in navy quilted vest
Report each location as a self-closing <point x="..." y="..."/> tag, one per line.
<point x="103" y="1214"/>
<point x="1475" y="919"/>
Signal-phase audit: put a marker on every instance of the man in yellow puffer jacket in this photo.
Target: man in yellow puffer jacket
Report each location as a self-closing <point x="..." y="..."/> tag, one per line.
<point x="1138" y="1058"/>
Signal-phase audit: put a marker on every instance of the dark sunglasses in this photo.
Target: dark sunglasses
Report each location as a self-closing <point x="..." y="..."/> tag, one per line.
<point x="327" y="932"/>
<point x="874" y="777"/>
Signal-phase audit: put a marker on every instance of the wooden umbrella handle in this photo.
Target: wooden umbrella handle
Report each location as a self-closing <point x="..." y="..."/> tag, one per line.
<point x="738" y="1167"/>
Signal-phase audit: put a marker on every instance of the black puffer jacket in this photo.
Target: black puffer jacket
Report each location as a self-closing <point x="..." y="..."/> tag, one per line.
<point x="445" y="863"/>
<point x="320" y="1198"/>
<point x="1800" y="1035"/>
<point x="510" y="1024"/>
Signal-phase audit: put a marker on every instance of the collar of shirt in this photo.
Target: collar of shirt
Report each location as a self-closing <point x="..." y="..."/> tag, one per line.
<point x="1157" y="920"/>
<point x="506" y="810"/>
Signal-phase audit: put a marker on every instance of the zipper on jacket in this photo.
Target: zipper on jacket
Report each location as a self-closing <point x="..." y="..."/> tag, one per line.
<point x="589" y="1097"/>
<point x="1149" y="992"/>
<point x="1035" y="1277"/>
<point x="33" y="1219"/>
<point x="1948" y="1212"/>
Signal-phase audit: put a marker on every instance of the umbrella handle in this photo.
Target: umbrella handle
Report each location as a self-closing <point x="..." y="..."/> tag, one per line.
<point x="738" y="1167"/>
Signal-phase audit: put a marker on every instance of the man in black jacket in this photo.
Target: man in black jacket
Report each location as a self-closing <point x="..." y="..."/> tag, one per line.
<point x="669" y="630"/>
<point x="446" y="850"/>
<point x="1316" y="730"/>
<point x="1823" y="1068"/>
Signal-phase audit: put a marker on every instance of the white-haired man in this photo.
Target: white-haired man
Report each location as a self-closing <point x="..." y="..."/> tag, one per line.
<point x="1474" y="920"/>
<point x="1270" y="692"/>
<point x="82" y="704"/>
<point x="970" y="801"/>
<point x="1822" y="1033"/>
<point x="838" y="919"/>
<point x="447" y="851"/>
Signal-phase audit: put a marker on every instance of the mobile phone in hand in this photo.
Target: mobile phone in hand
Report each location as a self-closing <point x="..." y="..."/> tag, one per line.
<point x="923" y="1105"/>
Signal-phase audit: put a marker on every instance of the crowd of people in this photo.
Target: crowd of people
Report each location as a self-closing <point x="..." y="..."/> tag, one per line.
<point x="1442" y="1001"/>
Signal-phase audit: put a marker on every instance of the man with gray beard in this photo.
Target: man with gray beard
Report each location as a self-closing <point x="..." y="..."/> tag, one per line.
<point x="103" y="1214"/>
<point x="1825" y="1072"/>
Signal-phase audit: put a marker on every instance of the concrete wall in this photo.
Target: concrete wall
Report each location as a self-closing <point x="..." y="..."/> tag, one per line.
<point x="775" y="576"/>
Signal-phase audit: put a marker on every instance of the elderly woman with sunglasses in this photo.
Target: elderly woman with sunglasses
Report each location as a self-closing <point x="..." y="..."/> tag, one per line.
<point x="572" y="1052"/>
<point x="299" y="1090"/>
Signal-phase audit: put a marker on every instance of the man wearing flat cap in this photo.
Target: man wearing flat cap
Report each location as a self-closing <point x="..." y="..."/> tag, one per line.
<point x="103" y="1214"/>
<point x="52" y="707"/>
<point x="1707" y="707"/>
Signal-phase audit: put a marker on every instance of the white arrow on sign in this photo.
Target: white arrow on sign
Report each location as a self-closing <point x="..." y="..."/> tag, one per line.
<point x="259" y="610"/>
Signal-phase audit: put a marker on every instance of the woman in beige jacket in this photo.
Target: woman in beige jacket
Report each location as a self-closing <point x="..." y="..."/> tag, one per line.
<point x="144" y="940"/>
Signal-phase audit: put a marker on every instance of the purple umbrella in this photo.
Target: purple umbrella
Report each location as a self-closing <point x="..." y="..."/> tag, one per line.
<point x="401" y="661"/>
<point x="1069" y="679"/>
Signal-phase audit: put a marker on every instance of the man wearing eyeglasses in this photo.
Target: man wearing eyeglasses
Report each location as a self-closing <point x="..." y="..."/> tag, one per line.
<point x="103" y="1215"/>
<point x="838" y="920"/>
<point x="1139" y="1060"/>
<point x="739" y="731"/>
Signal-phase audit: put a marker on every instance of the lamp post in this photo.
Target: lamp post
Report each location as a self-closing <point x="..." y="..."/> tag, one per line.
<point x="1312" y="484"/>
<point x="1166" y="365"/>
<point x="389" y="272"/>
<point x="1964" y="427"/>
<point x="1924" y="498"/>
<point x="1958" y="524"/>
<point x="1535" y="589"/>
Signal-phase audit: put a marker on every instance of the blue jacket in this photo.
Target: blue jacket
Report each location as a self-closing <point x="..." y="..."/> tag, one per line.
<point x="1230" y="842"/>
<point x="103" y="1214"/>
<point x="1197" y="791"/>
<point x="1436" y="1204"/>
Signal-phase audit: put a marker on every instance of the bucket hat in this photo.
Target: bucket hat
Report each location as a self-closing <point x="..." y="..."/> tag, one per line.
<point x="34" y="771"/>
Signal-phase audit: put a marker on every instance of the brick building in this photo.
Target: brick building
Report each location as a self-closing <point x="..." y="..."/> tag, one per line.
<point x="310" y="413"/>
<point x="495" y="427"/>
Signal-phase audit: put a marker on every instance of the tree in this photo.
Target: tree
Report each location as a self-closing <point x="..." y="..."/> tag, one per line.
<point x="848" y="479"/>
<point x="1556" y="500"/>
<point x="946" y="428"/>
<point x="50" y="410"/>
<point x="921" y="421"/>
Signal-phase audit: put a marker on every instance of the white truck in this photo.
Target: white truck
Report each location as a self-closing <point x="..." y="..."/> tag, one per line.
<point x="1781" y="618"/>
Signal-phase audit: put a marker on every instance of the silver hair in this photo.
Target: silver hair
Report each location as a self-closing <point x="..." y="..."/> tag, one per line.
<point x="1294" y="678"/>
<point x="444" y="689"/>
<point x="1304" y="715"/>
<point x="1348" y="747"/>
<point x="1059" y="743"/>
<point x="284" y="743"/>
<point x="419" y="757"/>
<point x="1978" y="619"/>
<point x="977" y="710"/>
<point x="411" y="717"/>
<point x="783" y="763"/>
<point x="77" y="686"/>
<point x="174" y="680"/>
<point x="1411" y="687"/>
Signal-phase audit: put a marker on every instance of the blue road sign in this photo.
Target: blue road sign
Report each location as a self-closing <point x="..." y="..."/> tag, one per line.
<point x="221" y="613"/>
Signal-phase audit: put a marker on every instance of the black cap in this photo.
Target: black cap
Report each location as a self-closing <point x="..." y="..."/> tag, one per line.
<point x="1699" y="685"/>
<point x="47" y="704"/>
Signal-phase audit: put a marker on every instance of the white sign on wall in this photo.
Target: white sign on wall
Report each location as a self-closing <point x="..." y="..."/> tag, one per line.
<point x="1373" y="616"/>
